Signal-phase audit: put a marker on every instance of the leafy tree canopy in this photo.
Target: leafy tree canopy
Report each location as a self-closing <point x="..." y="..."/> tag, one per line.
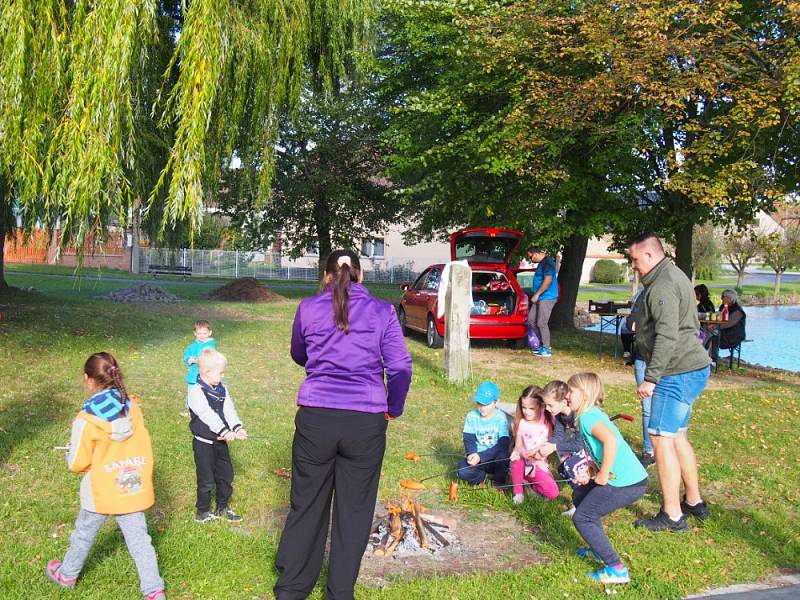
<point x="103" y="102"/>
<point x="327" y="190"/>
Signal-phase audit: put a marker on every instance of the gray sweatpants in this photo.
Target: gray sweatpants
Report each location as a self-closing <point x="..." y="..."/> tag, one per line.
<point x="592" y="502"/>
<point x="539" y="318"/>
<point x="140" y="546"/>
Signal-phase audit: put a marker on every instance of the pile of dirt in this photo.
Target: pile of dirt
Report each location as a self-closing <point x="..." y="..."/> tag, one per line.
<point x="143" y="292"/>
<point x="245" y="289"/>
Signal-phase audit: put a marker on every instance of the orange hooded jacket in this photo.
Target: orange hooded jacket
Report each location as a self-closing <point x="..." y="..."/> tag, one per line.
<point x="117" y="459"/>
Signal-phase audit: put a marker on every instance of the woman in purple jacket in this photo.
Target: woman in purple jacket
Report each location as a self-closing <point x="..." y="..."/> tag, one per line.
<point x="358" y="373"/>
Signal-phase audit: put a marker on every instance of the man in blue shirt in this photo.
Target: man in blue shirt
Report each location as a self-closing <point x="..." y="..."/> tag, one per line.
<point x="544" y="295"/>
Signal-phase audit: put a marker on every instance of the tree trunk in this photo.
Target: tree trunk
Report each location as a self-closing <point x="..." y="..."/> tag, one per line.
<point x="3" y="284"/>
<point x="683" y="248"/>
<point x="323" y="226"/>
<point x="4" y="210"/>
<point x="740" y="279"/>
<point x="569" y="278"/>
<point x="777" y="284"/>
<point x="136" y="232"/>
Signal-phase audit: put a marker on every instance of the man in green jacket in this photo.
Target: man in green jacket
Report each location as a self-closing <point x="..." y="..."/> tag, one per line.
<point x="677" y="373"/>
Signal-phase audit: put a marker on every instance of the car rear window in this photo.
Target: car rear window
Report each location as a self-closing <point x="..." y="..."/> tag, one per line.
<point x="484" y="249"/>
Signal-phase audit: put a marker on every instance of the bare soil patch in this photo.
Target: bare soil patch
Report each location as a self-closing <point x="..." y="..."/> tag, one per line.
<point x="245" y="289"/>
<point x="561" y="366"/>
<point x="491" y="541"/>
<point x="612" y="370"/>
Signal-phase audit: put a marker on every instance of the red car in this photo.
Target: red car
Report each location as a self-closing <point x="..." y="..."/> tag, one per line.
<point x="500" y="307"/>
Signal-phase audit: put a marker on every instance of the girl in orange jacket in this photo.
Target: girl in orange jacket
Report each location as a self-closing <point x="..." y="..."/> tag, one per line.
<point x="111" y="446"/>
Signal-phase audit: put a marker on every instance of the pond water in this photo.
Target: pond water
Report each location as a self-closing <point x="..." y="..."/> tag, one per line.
<point x="775" y="331"/>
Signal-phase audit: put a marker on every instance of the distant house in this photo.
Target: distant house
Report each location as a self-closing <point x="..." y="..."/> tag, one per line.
<point x="387" y="250"/>
<point x="384" y="251"/>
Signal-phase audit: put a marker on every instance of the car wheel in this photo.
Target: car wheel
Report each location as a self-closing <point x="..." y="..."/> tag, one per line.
<point x="432" y="337"/>
<point x="401" y="314"/>
<point x="518" y="344"/>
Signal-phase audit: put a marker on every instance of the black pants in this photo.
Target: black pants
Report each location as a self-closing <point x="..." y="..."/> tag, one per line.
<point x="627" y="341"/>
<point x="336" y="454"/>
<point x="212" y="463"/>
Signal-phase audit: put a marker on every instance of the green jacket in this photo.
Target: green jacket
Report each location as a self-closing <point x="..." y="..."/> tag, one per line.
<point x="667" y="328"/>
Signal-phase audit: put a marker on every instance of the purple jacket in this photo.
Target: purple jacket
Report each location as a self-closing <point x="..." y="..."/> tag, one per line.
<point x="346" y="371"/>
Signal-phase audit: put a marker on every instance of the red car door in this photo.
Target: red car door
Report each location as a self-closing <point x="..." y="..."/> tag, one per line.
<point x="414" y="303"/>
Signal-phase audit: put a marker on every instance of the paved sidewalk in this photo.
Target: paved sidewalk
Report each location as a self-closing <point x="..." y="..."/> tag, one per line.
<point x="782" y="587"/>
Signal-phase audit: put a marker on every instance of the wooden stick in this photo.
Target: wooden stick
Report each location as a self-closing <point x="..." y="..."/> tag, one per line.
<point x="423" y="539"/>
<point x="380" y="549"/>
<point x="391" y="547"/>
<point x="439" y="537"/>
<point x="444" y="521"/>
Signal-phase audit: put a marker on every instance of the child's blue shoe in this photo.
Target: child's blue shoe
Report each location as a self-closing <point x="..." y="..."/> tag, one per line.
<point x="587" y="553"/>
<point x="609" y="574"/>
<point x="544" y="352"/>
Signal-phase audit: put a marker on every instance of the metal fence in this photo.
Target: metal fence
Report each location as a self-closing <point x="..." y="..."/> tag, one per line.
<point x="265" y="265"/>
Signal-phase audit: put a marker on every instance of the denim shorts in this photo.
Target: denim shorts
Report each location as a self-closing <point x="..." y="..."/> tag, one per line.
<point x="672" y="401"/>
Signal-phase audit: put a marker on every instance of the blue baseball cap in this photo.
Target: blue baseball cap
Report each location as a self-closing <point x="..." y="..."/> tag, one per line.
<point x="486" y="393"/>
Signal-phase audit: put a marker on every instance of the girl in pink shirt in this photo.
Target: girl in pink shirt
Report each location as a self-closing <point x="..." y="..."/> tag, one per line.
<point x="532" y="428"/>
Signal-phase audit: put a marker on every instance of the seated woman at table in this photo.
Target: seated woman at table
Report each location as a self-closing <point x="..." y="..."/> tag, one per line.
<point x="704" y="303"/>
<point x="731" y="329"/>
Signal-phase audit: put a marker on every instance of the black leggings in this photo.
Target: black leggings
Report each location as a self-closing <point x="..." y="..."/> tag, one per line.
<point x="593" y="502"/>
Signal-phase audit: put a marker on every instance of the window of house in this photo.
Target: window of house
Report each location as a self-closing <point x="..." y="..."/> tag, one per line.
<point x="372" y="248"/>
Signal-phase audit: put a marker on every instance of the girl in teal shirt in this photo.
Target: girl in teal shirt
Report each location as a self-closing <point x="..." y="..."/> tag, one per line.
<point x="620" y="479"/>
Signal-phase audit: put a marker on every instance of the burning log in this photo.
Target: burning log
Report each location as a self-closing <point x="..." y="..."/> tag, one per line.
<point x="443" y="521"/>
<point x="439" y="537"/>
<point x="423" y="538"/>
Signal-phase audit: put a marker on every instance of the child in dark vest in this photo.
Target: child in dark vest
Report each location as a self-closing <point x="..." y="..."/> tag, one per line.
<point x="213" y="423"/>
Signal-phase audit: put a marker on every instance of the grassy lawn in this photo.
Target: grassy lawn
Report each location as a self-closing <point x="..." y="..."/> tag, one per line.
<point x="744" y="429"/>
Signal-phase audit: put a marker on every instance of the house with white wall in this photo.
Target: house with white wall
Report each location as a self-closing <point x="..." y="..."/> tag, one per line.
<point x="387" y="250"/>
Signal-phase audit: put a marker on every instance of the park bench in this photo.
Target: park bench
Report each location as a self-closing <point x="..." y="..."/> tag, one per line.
<point x="156" y="270"/>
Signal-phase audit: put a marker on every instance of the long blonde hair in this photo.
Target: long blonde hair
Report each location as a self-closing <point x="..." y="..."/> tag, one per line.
<point x="590" y="391"/>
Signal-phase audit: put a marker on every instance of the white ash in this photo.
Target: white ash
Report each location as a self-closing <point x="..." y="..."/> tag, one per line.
<point x="409" y="544"/>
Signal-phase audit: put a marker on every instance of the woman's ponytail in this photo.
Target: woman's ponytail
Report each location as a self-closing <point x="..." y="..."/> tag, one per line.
<point x="344" y="268"/>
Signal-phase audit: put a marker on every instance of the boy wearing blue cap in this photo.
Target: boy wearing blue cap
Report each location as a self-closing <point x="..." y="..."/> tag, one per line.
<point x="486" y="439"/>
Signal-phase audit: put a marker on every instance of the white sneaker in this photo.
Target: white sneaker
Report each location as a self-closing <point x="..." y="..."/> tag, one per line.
<point x="626" y="355"/>
<point x="570" y="511"/>
<point x="518" y="498"/>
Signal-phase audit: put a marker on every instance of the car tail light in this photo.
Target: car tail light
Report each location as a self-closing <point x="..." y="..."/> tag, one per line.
<point x="522" y="308"/>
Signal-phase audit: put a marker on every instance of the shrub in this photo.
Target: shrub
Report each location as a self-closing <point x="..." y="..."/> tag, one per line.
<point x="607" y="271"/>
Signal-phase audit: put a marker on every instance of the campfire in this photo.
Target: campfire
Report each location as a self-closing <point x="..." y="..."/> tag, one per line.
<point x="406" y="528"/>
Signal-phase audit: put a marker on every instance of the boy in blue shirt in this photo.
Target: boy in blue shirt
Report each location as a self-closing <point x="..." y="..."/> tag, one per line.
<point x="202" y="340"/>
<point x="486" y="439"/>
<point x="544" y="295"/>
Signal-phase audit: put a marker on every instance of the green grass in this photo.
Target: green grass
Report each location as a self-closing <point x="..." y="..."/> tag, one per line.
<point x="744" y="430"/>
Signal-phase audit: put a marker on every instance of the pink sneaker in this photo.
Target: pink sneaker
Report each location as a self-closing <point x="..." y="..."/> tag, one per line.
<point x="56" y="577"/>
<point x="159" y="595"/>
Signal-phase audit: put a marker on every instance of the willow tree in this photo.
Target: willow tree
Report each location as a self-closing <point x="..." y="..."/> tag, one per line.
<point x="110" y="104"/>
